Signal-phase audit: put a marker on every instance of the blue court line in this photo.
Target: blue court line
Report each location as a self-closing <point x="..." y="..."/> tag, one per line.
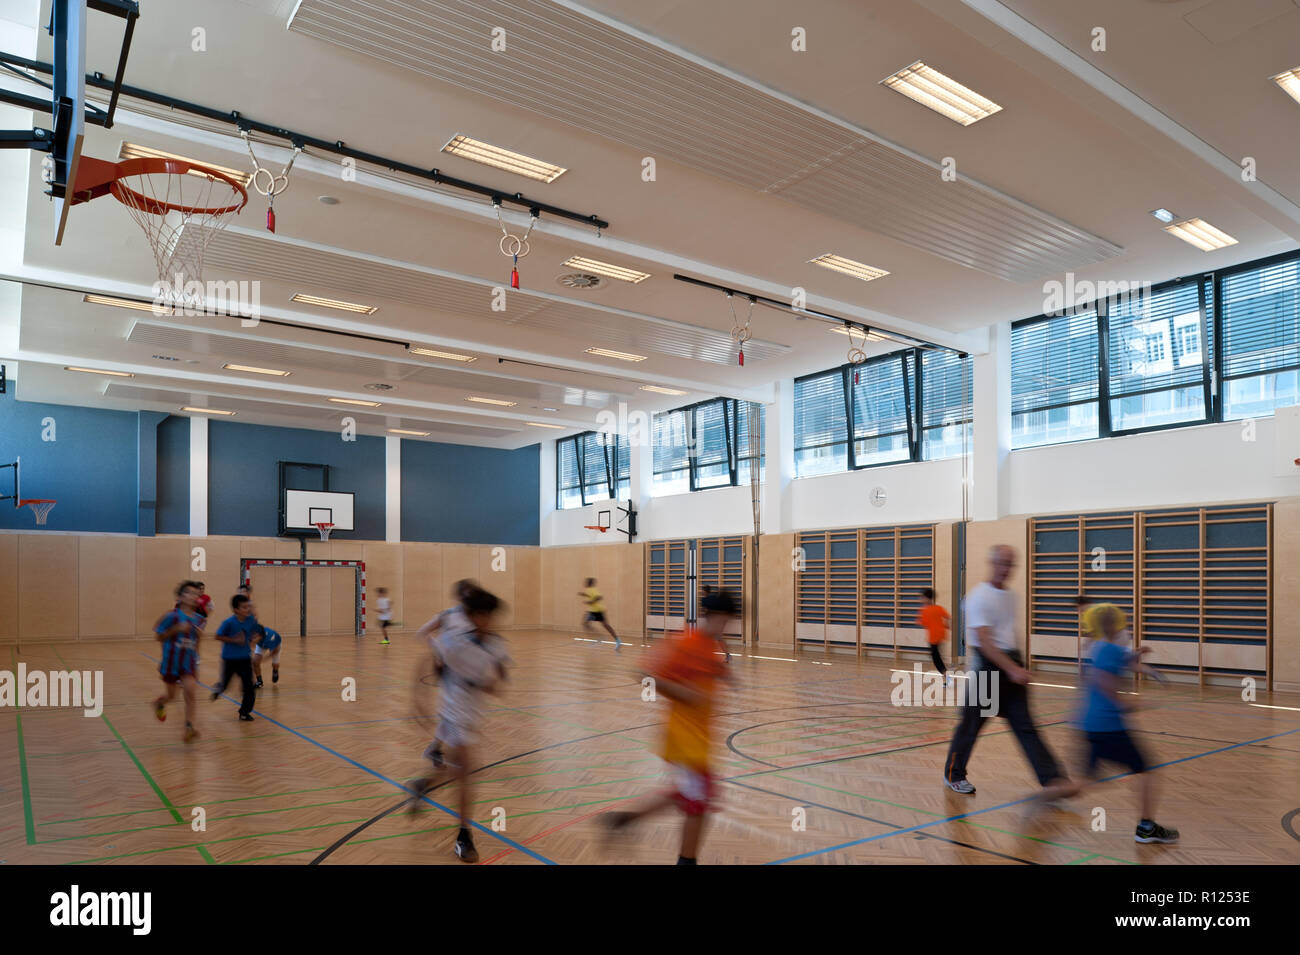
<point x="374" y="772"/>
<point x="1016" y="802"/>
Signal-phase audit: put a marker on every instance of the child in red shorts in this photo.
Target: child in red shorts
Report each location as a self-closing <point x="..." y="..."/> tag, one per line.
<point x="688" y="672"/>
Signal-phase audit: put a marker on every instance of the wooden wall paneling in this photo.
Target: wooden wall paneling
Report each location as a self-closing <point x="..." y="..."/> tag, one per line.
<point x="47" y="587"/>
<point x="1285" y="581"/>
<point x="423" y="593"/>
<point x="160" y="564"/>
<point x="528" y="586"/>
<point x="383" y="569"/>
<point x="497" y="572"/>
<point x="9" y="588"/>
<point x="105" y="586"/>
<point x="631" y="573"/>
<point x="221" y="574"/>
<point x="546" y="592"/>
<point x="776" y="589"/>
<point x="981" y="536"/>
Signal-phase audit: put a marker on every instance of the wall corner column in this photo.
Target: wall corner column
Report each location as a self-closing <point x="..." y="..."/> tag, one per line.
<point x="991" y="448"/>
<point x="392" y="488"/>
<point x="198" y="477"/>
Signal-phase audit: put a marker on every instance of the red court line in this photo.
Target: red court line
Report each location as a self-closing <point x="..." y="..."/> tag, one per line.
<point x="564" y="825"/>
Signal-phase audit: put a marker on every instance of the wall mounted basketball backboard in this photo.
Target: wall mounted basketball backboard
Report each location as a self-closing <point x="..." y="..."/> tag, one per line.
<point x="306" y="501"/>
<point x="67" y="104"/>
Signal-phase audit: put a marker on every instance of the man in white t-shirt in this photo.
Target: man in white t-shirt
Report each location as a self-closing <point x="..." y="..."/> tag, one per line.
<point x="990" y="610"/>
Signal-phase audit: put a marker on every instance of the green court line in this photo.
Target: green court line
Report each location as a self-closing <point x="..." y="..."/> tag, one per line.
<point x="211" y="802"/>
<point x="1085" y="858"/>
<point x="237" y="815"/>
<point x="213" y="842"/>
<point x="22" y="760"/>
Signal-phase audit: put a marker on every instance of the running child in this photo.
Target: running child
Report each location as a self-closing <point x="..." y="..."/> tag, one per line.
<point x="473" y="660"/>
<point x="596" y="611"/>
<point x="178" y="631"/>
<point x="450" y="619"/>
<point x="238" y="633"/>
<point x="205" y="602"/>
<point x="269" y="644"/>
<point x="688" y="671"/>
<point x="936" y="622"/>
<point x="1102" y="718"/>
<point x="385" y="608"/>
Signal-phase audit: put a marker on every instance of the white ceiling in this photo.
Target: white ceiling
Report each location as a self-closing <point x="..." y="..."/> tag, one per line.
<point x="765" y="157"/>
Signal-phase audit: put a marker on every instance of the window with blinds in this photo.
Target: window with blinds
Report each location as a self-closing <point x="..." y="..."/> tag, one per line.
<point x="1259" y="336"/>
<point x="1055" y="379"/>
<point x="947" y="398"/>
<point x="590" y="467"/>
<point x="821" y="429"/>
<point x="705" y="445"/>
<point x="1157" y="369"/>
<point x="882" y="394"/>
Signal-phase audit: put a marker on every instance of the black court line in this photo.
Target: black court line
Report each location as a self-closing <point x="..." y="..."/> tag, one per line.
<point x="447" y="782"/>
<point x="1288" y="824"/>
<point x="883" y="822"/>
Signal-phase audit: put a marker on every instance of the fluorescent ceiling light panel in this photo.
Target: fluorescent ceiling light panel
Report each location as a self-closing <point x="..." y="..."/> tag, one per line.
<point x="1201" y="234"/>
<point x="434" y="353"/>
<point x="491" y="401"/>
<point x="136" y="151"/>
<point x="662" y="391"/>
<point x="538" y="424"/>
<point x="99" y="371"/>
<point x="604" y="268"/>
<point x="252" y="369"/>
<point x="871" y="336"/>
<point x="941" y="93"/>
<point x="356" y="401"/>
<point x="1289" y="80"/>
<point x="127" y="303"/>
<point x="302" y="299"/>
<point x="849" y="267"/>
<point x="228" y="414"/>
<point x="489" y="155"/>
<point x="418" y="434"/>
<point x="621" y="355"/>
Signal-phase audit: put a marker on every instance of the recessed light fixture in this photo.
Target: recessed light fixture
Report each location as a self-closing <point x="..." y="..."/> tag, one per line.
<point x="1201" y="234"/>
<point x="662" y="391"/>
<point x="316" y="300"/>
<point x="621" y="355"/>
<point x="418" y="434"/>
<point x="871" y="336"/>
<point x="539" y="424"/>
<point x="252" y="369"/>
<point x="550" y="409"/>
<point x="136" y="151"/>
<point x="941" y="93"/>
<point x="1289" y="80"/>
<point x="356" y="401"/>
<point x="839" y="263"/>
<point x="434" y="353"/>
<point x="131" y="303"/>
<point x="491" y="401"/>
<point x="604" y="268"/>
<point x="1164" y="215"/>
<point x="227" y="414"/>
<point x="99" y="371"/>
<point x="489" y="155"/>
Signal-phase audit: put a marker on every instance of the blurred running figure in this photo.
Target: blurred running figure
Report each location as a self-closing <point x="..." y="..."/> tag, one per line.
<point x="452" y="618"/>
<point x="991" y="637"/>
<point x="596" y="611"/>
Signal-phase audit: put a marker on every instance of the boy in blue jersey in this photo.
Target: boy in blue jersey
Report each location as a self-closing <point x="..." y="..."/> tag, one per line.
<point x="1102" y="718"/>
<point x="238" y="634"/>
<point x="268" y="644"/>
<point x="178" y="631"/>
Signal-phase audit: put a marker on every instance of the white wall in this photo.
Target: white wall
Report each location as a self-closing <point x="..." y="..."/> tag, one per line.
<point x="923" y="491"/>
<point x="1199" y="465"/>
<point x="724" y="510"/>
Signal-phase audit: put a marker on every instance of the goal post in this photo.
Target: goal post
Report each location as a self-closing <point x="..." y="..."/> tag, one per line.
<point x="246" y="565"/>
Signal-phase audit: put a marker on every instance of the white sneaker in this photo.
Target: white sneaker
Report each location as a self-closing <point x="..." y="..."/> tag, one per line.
<point x="962" y="786"/>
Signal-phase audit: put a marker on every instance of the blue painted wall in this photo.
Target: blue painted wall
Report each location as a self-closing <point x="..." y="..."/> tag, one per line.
<point x="461" y="494"/>
<point x="243" y="479"/>
<point x="90" y="468"/>
<point x="173" y="512"/>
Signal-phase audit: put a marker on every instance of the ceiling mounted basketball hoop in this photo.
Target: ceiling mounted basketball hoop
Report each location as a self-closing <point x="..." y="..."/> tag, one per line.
<point x="179" y="205"/>
<point x="324" y="529"/>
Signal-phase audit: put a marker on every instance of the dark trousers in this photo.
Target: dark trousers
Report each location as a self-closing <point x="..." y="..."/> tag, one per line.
<point x="244" y="670"/>
<point x="1013" y="705"/>
<point x="938" y="660"/>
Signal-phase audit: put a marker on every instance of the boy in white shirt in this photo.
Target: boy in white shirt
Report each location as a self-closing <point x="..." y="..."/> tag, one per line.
<point x="385" y="608"/>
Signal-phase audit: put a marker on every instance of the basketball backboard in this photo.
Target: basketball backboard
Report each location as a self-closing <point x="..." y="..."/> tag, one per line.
<point x="303" y="510"/>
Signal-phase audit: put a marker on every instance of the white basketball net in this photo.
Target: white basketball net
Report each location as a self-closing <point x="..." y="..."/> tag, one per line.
<point x="324" y="530"/>
<point x="179" y="239"/>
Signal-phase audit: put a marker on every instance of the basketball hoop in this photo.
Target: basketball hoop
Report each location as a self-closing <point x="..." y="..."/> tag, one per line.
<point x="324" y="529"/>
<point x="180" y="206"/>
<point x="41" y="508"/>
<point x="596" y="527"/>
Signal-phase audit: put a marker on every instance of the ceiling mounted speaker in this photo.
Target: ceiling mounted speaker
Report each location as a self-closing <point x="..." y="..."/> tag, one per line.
<point x="582" y="281"/>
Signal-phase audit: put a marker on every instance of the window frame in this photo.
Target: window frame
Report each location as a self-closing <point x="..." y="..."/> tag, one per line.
<point x="613" y="447"/>
<point x="730" y="408"/>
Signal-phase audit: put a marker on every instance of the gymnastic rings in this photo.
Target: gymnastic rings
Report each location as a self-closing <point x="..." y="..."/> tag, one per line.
<point x="513" y="246"/>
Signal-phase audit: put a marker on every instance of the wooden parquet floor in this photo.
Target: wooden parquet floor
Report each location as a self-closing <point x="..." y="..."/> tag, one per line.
<point x="571" y="738"/>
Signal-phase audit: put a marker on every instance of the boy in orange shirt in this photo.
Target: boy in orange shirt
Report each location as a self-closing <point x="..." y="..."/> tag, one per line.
<point x="935" y="620"/>
<point x="688" y="671"/>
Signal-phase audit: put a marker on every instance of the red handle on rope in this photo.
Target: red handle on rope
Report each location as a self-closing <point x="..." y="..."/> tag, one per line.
<point x="270" y="219"/>
<point x="514" y="278"/>
<point x="742" y="358"/>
